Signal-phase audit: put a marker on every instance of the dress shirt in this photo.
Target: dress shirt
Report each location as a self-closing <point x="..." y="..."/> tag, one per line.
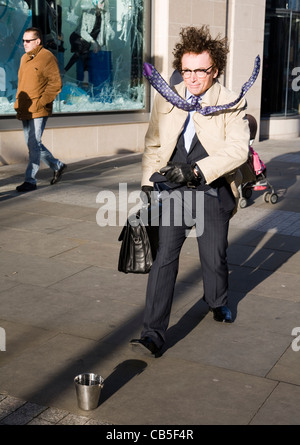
<point x="189" y="127"/>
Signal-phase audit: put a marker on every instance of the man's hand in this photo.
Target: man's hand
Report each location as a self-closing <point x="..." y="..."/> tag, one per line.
<point x="180" y="173"/>
<point x="95" y="47"/>
<point x="146" y="194"/>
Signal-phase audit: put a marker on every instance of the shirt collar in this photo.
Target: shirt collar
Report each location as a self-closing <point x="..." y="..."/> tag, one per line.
<point x="189" y="95"/>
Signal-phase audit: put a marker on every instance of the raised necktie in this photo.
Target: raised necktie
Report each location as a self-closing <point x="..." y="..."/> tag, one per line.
<point x="171" y="96"/>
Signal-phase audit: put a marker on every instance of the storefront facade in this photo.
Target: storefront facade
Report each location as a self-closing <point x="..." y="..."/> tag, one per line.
<point x="281" y="69"/>
<point x="100" y="46"/>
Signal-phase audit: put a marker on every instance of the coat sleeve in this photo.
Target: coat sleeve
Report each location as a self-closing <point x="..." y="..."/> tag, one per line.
<point x="52" y="81"/>
<point x="152" y="145"/>
<point x="165" y="126"/>
<point x="226" y="140"/>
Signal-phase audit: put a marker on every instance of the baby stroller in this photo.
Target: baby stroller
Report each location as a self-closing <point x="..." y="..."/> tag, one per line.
<point x="255" y="173"/>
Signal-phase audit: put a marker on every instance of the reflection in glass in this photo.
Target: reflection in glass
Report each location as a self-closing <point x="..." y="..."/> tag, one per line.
<point x="293" y="92"/>
<point x="281" y="59"/>
<point x="274" y="66"/>
<point x="99" y="45"/>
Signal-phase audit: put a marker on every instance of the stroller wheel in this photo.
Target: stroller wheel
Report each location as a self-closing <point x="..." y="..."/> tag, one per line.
<point x="247" y="193"/>
<point x="273" y="198"/>
<point x="267" y="196"/>
<point x="243" y="203"/>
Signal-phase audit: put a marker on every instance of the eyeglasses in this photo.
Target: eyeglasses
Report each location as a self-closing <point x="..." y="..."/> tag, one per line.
<point x="29" y="40"/>
<point x="200" y="73"/>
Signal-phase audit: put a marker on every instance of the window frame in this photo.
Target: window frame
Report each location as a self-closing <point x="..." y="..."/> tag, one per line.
<point x="289" y="14"/>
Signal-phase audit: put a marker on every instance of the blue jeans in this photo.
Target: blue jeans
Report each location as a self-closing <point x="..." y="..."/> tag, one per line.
<point x="33" y="131"/>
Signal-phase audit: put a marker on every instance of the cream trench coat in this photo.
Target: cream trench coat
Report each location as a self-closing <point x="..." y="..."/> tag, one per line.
<point x="224" y="135"/>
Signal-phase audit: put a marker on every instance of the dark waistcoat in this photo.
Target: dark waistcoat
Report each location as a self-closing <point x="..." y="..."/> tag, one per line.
<point x="196" y="153"/>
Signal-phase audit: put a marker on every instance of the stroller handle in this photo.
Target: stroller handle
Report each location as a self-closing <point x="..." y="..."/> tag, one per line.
<point x="252" y="126"/>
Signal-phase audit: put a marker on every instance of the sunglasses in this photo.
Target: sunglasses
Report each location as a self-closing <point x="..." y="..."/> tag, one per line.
<point x="30" y="40"/>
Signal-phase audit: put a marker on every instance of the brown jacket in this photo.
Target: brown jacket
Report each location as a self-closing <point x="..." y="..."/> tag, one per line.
<point x="39" y="83"/>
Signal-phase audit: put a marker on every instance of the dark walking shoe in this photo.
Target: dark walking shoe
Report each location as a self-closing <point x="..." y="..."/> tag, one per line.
<point x="146" y="344"/>
<point x="57" y="174"/>
<point x="26" y="187"/>
<point x="222" y="313"/>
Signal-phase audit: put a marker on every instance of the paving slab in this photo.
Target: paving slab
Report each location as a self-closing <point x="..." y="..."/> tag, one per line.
<point x="281" y="408"/>
<point x="33" y="269"/>
<point x="196" y="395"/>
<point x="21" y="241"/>
<point x="65" y="308"/>
<point x="252" y="351"/>
<point x="287" y="368"/>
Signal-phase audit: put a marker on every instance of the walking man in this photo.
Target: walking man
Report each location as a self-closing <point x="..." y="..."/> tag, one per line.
<point x="193" y="154"/>
<point x="39" y="82"/>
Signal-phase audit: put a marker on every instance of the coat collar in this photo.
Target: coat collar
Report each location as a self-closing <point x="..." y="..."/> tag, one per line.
<point x="210" y="97"/>
<point x="32" y="54"/>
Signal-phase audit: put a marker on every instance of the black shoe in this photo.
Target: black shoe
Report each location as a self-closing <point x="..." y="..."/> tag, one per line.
<point x="57" y="174"/>
<point x="26" y="187"/>
<point x="148" y="343"/>
<point x="222" y="313"/>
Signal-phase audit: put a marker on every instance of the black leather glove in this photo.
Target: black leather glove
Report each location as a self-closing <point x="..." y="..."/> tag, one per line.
<point x="181" y="173"/>
<point x="146" y="194"/>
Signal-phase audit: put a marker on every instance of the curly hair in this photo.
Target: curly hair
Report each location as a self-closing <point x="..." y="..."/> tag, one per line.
<point x="197" y="40"/>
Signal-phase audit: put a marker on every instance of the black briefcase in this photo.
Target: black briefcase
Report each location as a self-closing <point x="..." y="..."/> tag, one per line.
<point x="139" y="245"/>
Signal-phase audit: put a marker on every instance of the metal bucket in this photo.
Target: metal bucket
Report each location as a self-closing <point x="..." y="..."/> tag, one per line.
<point x="88" y="388"/>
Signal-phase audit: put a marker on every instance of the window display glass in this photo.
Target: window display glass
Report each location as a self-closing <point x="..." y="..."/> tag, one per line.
<point x="100" y="47"/>
<point x="281" y="63"/>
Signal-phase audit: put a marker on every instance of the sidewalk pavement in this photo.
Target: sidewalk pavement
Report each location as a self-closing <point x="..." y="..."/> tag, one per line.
<point x="65" y="309"/>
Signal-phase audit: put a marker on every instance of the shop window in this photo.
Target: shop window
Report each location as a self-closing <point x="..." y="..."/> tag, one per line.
<point x="100" y="47"/>
<point x="281" y="62"/>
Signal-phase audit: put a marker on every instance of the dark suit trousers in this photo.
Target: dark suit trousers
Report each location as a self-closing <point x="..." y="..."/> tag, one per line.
<point x="212" y="246"/>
